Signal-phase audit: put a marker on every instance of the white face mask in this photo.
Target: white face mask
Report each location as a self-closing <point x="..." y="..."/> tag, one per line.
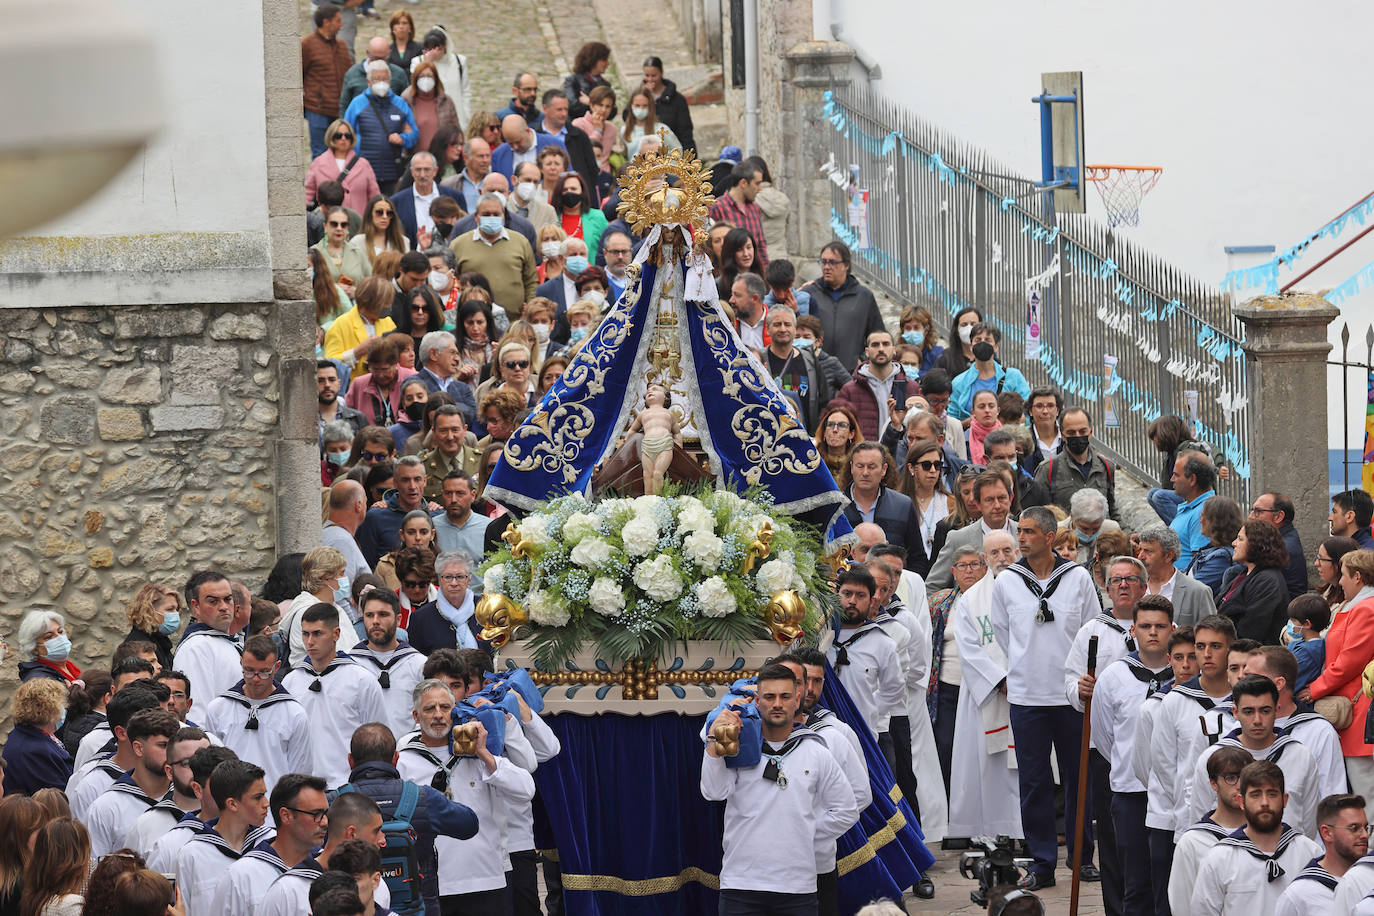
<point x="425" y="84"/>
<point x="596" y="297"/>
<point x="640" y="113"/>
<point x="438" y="280"/>
<point x="541" y="330"/>
<point x="381" y="89"/>
<point x="966" y="332"/>
<point x="525" y="191"/>
<point x="550" y="249"/>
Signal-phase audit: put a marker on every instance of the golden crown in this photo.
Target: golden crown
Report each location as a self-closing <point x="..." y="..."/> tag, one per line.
<point x="684" y="203"/>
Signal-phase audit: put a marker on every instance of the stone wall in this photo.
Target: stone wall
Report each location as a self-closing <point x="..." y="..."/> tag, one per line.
<point x="137" y="444"/>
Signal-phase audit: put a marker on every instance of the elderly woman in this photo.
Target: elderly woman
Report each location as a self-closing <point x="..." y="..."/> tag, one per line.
<point x="448" y="622"/>
<point x="34" y="758"/>
<point x="43" y="645"/>
<point x="322" y="580"/>
<point x="154" y="616"/>
<point x="946" y="677"/>
<point x="1088" y="519"/>
<point x="1254" y="593"/>
<point x="337" y="440"/>
<point x="417" y="530"/>
<point x="1349" y="649"/>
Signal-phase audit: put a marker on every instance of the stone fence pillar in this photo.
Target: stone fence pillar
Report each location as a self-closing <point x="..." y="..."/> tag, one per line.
<point x="1286" y="346"/>
<point x="812" y="67"/>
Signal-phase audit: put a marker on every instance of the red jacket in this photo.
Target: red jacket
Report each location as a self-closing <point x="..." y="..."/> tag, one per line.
<point x="363" y="395"/>
<point x="858" y="397"/>
<point x="1349" y="648"/>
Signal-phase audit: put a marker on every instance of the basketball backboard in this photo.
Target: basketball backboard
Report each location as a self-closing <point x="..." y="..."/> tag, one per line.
<point x="1061" y="137"/>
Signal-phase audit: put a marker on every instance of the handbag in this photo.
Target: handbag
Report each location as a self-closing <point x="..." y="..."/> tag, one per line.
<point x="1337" y="710"/>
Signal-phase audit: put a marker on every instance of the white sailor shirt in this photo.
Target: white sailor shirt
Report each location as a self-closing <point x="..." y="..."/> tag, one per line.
<point x="1037" y="646"/>
<point x="1114" y="642"/>
<point x="1189" y="852"/>
<point x="149" y="826"/>
<point x="86" y="786"/>
<point x="98" y="741"/>
<point x="273" y="732"/>
<point x="1188" y="721"/>
<point x="397" y="673"/>
<point x="419" y="763"/>
<point x="289" y="895"/>
<point x="163" y="856"/>
<point x="1119" y="697"/>
<point x="337" y="701"/>
<point x="1355" y="885"/>
<point x="865" y="659"/>
<point x="211" y="660"/>
<point x="1311" y="893"/>
<point x="204" y="861"/>
<point x="479" y="863"/>
<point x="114" y="812"/>
<point x="1323" y="743"/>
<point x="1238" y="879"/>
<point x="1299" y="779"/>
<point x="247" y="881"/>
<point x="842" y="743"/>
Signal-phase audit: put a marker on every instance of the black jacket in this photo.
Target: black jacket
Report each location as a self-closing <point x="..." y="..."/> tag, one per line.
<point x="428" y="630"/>
<point x="895" y="513"/>
<point x="163" y="644"/>
<point x="577" y="85"/>
<point x="847" y="316"/>
<point x="583" y="158"/>
<point x="1259" y="607"/>
<point x="671" y="109"/>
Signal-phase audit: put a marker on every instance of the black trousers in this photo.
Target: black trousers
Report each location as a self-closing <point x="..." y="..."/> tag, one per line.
<point x="1100" y="810"/>
<point x="478" y="903"/>
<point x="828" y="893"/>
<point x="946" y="709"/>
<point x="1161" y="864"/>
<point x="1133" y="849"/>
<point x="766" y="903"/>
<point x="522" y="883"/>
<point x="553" y="886"/>
<point x="900" y="730"/>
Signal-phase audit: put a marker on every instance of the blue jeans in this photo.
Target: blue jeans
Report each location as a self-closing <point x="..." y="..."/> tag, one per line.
<point x="318" y="124"/>
<point x="1037" y="730"/>
<point x="1164" y="502"/>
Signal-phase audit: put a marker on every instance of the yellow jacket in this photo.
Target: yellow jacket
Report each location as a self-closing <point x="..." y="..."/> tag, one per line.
<point x="347" y="332"/>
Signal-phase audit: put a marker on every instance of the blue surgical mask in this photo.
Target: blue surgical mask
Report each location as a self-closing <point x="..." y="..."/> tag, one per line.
<point x="61" y="720"/>
<point x="1086" y="538"/>
<point x="338" y="458"/>
<point x="915" y="338"/>
<point x="1294" y="633"/>
<point x="342" y="596"/>
<point x="577" y="334"/>
<point x="490" y="225"/>
<point x="912" y="372"/>
<point x="59" y="647"/>
<point x="170" y="621"/>
<point x="803" y="342"/>
<point x="576" y="263"/>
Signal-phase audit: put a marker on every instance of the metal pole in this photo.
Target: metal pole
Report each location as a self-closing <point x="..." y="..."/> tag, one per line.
<point x="751" y="77"/>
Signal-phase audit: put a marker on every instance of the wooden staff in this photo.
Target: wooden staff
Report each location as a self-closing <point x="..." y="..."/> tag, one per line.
<point x="1082" y="781"/>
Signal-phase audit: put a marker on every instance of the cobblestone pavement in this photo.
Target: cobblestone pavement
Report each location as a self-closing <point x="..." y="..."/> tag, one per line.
<point x="952" y="890"/>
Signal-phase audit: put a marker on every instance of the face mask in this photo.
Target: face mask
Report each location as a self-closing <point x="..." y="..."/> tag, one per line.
<point x="59" y="647"/>
<point x="640" y="113"/>
<point x="1076" y="444"/>
<point x="577" y="263"/>
<point x="550" y="249"/>
<point x="491" y="225"/>
<point x="443" y="230"/>
<point x="415" y="411"/>
<point x="915" y="338"/>
<point x="803" y="342"/>
<point x="577" y="334"/>
<point x="966" y="332"/>
<point x="541" y="331"/>
<point x="425" y="84"/>
<point x="341" y="595"/>
<point x="982" y="351"/>
<point x="1294" y="634"/>
<point x="595" y="297"/>
<point x="912" y="372"/>
<point x="381" y="89"/>
<point x="571" y="200"/>
<point x="1085" y="538"/>
<point x="61" y="720"/>
<point x="438" y="280"/>
<point x="525" y="191"/>
<point x="336" y="458"/>
<point x="170" y="621"/>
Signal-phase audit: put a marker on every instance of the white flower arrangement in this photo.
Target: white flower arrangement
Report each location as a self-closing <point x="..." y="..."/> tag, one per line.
<point x="715" y="599"/>
<point x="658" y="579"/>
<point x="606" y="597"/>
<point x="494" y="581"/>
<point x="591" y="553"/>
<point x="774" y="576"/>
<point x="704" y="549"/>
<point x="578" y="526"/>
<point x="640" y="535"/>
<point x="546" y="609"/>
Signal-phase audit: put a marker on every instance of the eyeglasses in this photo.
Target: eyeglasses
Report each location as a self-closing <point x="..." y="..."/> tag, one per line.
<point x="413" y="583"/>
<point x="374" y="456"/>
<point x="969" y="566"/>
<point x="455" y="577"/>
<point x="929" y="465"/>
<point x="517" y="364"/>
<point x="1229" y="778"/>
<point x="256" y="675"/>
<point x="1257" y="509"/>
<point x="1118" y="580"/>
<point x="1321" y="559"/>
<point x="183" y="762"/>
<point x="1355" y="829"/>
<point x="827" y="262"/>
<point x="317" y="815"/>
<point x="837" y="424"/>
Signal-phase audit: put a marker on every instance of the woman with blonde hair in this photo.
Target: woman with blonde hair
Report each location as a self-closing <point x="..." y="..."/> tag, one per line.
<point x="381" y="231"/>
<point x="55" y="876"/>
<point x="582" y="316"/>
<point x="641" y="122"/>
<point x="918" y="329"/>
<point x="485" y="125"/>
<point x="360" y="182"/>
<point x="512" y="370"/>
<point x="550" y="238"/>
<point x="34" y="758"/>
<point x="155" y="616"/>
<point x="356" y="332"/>
<point x="322" y="577"/>
<point x="20" y="819"/>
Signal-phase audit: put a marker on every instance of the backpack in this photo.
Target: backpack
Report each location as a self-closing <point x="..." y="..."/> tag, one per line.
<point x="400" y="866"/>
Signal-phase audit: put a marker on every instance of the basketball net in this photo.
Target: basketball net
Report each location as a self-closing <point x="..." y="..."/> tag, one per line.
<point x="1121" y="188"/>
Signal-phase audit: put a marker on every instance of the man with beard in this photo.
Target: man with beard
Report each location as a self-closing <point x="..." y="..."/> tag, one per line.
<point x="299" y="808"/>
<point x="327" y="394"/>
<point x="111" y="815"/>
<point x="808" y="665"/>
<point x="768" y="862"/>
<point x="984" y="798"/>
<point x="1344" y="831"/>
<point x="397" y="665"/>
<point x="163" y="816"/>
<point x="1223" y="769"/>
<point x="864" y="657"/>
<point x="1247" y="872"/>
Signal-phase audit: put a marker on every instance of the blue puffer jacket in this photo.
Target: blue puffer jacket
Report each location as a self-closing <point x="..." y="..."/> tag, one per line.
<point x="372" y="142"/>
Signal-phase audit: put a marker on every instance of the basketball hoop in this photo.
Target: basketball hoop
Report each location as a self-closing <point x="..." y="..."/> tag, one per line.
<point x="1121" y="188"/>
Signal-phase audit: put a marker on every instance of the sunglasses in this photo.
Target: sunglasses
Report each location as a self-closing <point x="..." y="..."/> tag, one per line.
<point x="338" y="225"/>
<point x="374" y="456"/>
<point x="418" y="307"/>
<point x="517" y="364"/>
<point x="929" y="465"/>
<point x="381" y="212"/>
<point x="411" y="583"/>
<point x="343" y="135"/>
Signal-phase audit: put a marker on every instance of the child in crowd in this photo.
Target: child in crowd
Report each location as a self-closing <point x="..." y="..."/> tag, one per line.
<point x="1308" y="616"/>
<point x="780" y="276"/>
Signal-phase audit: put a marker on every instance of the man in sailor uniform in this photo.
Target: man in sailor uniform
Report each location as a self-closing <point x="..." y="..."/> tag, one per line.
<point x="1118" y="696"/>
<point x="89" y="783"/>
<point x="1223" y="768"/>
<point x="260" y="719"/>
<point x="1345" y="834"/>
<point x="1254" y="700"/>
<point x="143" y="786"/>
<point x="1316" y="734"/>
<point x="163" y="856"/>
<point x="844" y="745"/>
<point x="241" y="796"/>
<point x="338" y="694"/>
<point x="1246" y="872"/>
<point x="423" y="757"/>
<point x="163" y="816"/>
<point x="397" y="666"/>
<point x="1125" y="585"/>
<point x="1355" y="887"/>
<point x="781" y="810"/>
<point x="352" y="816"/>
<point x="1038" y="605"/>
<point x="894" y="739"/>
<point x="865" y="657"/>
<point x="299" y="807"/>
<point x="207" y="654"/>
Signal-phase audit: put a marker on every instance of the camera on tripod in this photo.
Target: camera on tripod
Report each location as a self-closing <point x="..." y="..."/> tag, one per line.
<point x="992" y="863"/>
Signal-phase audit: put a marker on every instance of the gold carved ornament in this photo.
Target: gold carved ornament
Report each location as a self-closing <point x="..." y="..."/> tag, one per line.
<point x="784" y="614"/>
<point x="685" y="203"/>
<point x="499" y="616"/>
<point x="638" y="680"/>
<point x="758" y="548"/>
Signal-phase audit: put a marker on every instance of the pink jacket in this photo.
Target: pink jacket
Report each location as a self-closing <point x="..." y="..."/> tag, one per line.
<point x="359" y="187"/>
<point x="363" y="395"/>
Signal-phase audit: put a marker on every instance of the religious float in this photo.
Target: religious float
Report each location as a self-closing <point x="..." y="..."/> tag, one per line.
<point x="673" y="529"/>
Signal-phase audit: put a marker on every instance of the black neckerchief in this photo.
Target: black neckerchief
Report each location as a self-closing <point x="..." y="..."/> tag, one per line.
<point x="279" y="694"/>
<point x="317" y="685"/>
<point x="1042" y="594"/>
<point x="402" y="650"/>
<point x="842" y="645"/>
<point x="1153" y="678"/>
<point x="1273" y="870"/>
<point x="1111" y="623"/>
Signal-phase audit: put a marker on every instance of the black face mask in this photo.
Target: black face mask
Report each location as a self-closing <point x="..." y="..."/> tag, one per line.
<point x="415" y="410"/>
<point x="443" y="230"/>
<point x="1076" y="445"/>
<point x="571" y="199"/>
<point x="982" y="351"/>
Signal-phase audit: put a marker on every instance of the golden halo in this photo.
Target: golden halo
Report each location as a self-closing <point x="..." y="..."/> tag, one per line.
<point x="685" y="203"/>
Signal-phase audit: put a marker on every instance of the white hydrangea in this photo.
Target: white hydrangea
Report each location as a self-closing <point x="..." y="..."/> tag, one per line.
<point x="535" y="529"/>
<point x="605" y="597"/>
<point x="696" y="518"/>
<point x="578" y="526"/>
<point x="647" y="504"/>
<point x="546" y="609"/>
<point x="658" y="579"/>
<point x="640" y="535"/>
<point x="704" y="549"/>
<point x="714" y="598"/>
<point x="774" y="576"/>
<point x="494" y="581"/>
<point x="591" y="553"/>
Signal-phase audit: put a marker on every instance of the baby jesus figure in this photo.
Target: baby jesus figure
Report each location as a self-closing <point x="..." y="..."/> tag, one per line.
<point x="661" y="431"/>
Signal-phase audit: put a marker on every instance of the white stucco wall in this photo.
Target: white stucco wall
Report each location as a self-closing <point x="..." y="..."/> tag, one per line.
<point x="1255" y="110"/>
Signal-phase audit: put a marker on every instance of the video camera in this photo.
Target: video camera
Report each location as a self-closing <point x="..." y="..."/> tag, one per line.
<point x="993" y="863"/>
